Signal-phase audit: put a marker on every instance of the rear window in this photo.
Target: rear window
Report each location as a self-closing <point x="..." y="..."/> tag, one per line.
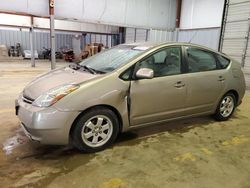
<point x="224" y="62"/>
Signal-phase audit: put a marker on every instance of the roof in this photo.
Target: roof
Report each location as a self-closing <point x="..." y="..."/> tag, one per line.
<point x="148" y="45"/>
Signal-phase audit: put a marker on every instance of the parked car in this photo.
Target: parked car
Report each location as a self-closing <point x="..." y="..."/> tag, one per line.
<point x="128" y="86"/>
<point x="27" y="54"/>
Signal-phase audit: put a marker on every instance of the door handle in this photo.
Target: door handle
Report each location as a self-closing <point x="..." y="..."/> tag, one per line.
<point x="179" y="84"/>
<point x="221" y="78"/>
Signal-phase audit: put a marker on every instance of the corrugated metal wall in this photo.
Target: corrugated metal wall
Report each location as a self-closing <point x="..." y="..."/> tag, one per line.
<point x="130" y="35"/>
<point x="11" y="37"/>
<point x="207" y="37"/>
<point x="106" y="39"/>
<point x="41" y="39"/>
<point x="136" y="35"/>
<point x="236" y="28"/>
<point x="129" y="13"/>
<point x="141" y="35"/>
<point x="162" y="36"/>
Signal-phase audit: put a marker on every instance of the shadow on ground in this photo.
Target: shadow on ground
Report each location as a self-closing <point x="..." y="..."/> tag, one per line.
<point x="35" y="150"/>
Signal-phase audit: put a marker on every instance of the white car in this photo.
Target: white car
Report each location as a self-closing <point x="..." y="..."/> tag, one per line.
<point x="27" y="54"/>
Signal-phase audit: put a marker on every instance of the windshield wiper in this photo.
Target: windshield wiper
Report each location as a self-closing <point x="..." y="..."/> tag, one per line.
<point x="98" y="71"/>
<point x="94" y="71"/>
<point x="88" y="69"/>
<point x="77" y="66"/>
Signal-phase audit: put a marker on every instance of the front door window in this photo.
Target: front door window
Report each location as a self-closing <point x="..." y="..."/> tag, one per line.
<point x="164" y="62"/>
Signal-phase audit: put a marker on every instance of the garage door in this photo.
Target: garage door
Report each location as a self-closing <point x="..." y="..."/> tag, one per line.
<point x="235" y="34"/>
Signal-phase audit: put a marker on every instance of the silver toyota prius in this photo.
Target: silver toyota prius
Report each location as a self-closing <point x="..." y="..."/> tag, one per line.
<point x="131" y="85"/>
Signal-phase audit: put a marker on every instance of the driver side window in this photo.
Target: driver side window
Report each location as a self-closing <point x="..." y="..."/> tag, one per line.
<point x="165" y="62"/>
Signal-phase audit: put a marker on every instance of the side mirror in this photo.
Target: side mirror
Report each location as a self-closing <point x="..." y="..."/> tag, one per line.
<point x="145" y="73"/>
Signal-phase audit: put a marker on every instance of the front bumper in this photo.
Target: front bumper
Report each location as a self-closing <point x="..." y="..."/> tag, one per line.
<point x="45" y="125"/>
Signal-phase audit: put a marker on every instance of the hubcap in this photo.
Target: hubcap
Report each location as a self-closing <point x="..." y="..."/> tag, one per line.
<point x="97" y="131"/>
<point x="227" y="106"/>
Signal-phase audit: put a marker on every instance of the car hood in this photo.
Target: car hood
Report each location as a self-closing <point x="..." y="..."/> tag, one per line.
<point x="55" y="78"/>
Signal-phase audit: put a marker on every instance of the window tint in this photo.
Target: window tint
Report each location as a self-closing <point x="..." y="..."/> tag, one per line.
<point x="223" y="61"/>
<point x="200" y="60"/>
<point x="164" y="62"/>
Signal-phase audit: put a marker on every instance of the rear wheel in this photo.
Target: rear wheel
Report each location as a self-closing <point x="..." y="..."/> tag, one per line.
<point x="95" y="130"/>
<point x="226" y="107"/>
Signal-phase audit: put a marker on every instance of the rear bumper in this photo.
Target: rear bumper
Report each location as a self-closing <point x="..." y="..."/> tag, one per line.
<point x="45" y="125"/>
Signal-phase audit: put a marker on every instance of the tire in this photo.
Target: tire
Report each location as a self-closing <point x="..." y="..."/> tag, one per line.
<point x="223" y="114"/>
<point x="95" y="130"/>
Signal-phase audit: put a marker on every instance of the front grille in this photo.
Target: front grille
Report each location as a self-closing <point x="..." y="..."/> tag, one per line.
<point x="27" y="99"/>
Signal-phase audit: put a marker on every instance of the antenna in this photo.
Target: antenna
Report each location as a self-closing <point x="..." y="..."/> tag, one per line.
<point x="193" y="36"/>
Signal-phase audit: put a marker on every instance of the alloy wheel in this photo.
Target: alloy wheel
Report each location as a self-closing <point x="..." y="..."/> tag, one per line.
<point x="227" y="106"/>
<point x="97" y="131"/>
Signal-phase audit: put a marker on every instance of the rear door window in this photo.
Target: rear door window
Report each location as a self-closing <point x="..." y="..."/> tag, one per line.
<point x="200" y="60"/>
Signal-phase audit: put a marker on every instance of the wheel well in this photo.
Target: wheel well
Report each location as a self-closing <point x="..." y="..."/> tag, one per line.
<point x="98" y="106"/>
<point x="235" y="94"/>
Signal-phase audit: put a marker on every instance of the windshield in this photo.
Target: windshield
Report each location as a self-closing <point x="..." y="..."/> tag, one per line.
<point x="111" y="59"/>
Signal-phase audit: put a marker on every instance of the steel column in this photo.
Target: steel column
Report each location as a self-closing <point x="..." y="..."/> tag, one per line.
<point x="52" y="34"/>
<point x="135" y="36"/>
<point x="246" y="46"/>
<point x="32" y="43"/>
<point x="223" y="24"/>
<point x="147" y="32"/>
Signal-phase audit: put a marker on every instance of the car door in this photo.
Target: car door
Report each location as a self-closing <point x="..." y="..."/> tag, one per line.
<point x="205" y="81"/>
<point x="163" y="96"/>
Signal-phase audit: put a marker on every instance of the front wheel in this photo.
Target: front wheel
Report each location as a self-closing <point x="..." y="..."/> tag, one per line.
<point x="95" y="130"/>
<point x="226" y="107"/>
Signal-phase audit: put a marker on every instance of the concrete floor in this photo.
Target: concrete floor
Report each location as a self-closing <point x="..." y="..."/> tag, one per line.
<point x="198" y="152"/>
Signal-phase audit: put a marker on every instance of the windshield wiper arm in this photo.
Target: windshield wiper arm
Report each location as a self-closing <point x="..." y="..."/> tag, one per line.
<point x="89" y="69"/>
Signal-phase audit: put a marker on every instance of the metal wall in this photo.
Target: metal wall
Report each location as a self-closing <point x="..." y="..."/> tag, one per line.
<point x="201" y="13"/>
<point x="11" y="37"/>
<point x="160" y="14"/>
<point x="209" y="37"/>
<point x="130" y="35"/>
<point x="136" y="35"/>
<point x="106" y="40"/>
<point x="66" y="25"/>
<point x="235" y="32"/>
<point x="162" y="36"/>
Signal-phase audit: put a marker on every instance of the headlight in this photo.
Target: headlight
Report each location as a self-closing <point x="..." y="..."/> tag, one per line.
<point x="54" y="95"/>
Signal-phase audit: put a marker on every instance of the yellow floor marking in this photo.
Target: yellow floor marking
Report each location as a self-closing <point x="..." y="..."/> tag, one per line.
<point x="186" y="156"/>
<point x="206" y="151"/>
<point x="236" y="141"/>
<point x="113" y="183"/>
<point x="6" y="110"/>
